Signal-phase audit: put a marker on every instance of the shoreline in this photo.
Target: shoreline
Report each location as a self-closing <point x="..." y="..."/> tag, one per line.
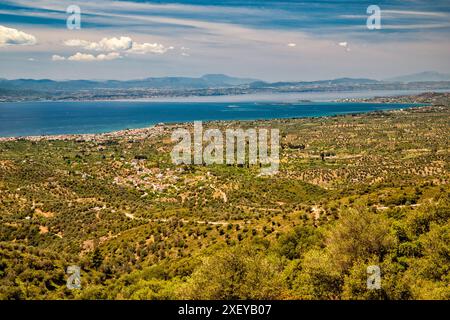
<point x="146" y="131"/>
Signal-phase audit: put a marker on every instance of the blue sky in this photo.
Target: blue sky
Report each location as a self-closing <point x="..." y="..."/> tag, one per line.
<point x="269" y="40"/>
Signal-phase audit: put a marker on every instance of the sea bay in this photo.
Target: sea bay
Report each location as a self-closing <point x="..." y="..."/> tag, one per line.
<point x="79" y="117"/>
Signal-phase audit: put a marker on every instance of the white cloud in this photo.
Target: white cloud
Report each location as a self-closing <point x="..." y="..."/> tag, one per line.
<point x="106" y="44"/>
<point x="144" y="48"/>
<point x="55" y="57"/>
<point x="89" y="57"/>
<point x="344" y="44"/>
<point x="30" y="59"/>
<point x="122" y="44"/>
<point x="184" y="51"/>
<point x="10" y="36"/>
<point x="77" y="43"/>
<point x="292" y="45"/>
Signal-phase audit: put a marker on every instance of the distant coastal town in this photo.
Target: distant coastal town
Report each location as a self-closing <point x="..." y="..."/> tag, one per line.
<point x="426" y="97"/>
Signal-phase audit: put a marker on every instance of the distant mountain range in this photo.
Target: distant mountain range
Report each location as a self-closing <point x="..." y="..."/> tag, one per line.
<point x="334" y="82"/>
<point x="206" y="81"/>
<point x="172" y="83"/>
<point x="422" y="76"/>
<point x="207" y="85"/>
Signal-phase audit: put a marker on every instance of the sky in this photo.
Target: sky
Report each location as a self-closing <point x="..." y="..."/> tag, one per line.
<point x="272" y="40"/>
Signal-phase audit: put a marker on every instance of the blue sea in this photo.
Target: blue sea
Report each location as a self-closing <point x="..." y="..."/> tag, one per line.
<point x="50" y="118"/>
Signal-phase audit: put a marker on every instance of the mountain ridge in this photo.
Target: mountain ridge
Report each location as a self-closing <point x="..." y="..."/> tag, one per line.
<point x="212" y="81"/>
<point x="203" y="82"/>
<point x="421" y="76"/>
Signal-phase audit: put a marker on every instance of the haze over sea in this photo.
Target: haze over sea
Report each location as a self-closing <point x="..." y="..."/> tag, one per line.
<point x="79" y="117"/>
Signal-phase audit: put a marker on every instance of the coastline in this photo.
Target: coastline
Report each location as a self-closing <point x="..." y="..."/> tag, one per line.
<point x="162" y="128"/>
<point x="137" y="133"/>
